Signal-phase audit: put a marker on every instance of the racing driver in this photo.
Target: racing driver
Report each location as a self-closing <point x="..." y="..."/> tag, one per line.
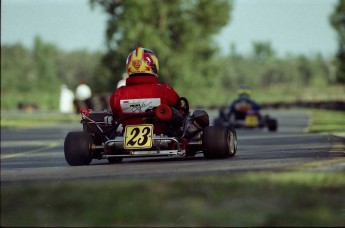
<point x="142" y="90"/>
<point x="243" y="103"/>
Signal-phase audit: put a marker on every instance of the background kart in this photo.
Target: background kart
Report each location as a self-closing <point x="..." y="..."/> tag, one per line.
<point x="251" y="119"/>
<point x="185" y="135"/>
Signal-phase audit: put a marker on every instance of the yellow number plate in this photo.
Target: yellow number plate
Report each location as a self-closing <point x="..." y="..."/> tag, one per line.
<point x="138" y="136"/>
<point x="251" y="121"/>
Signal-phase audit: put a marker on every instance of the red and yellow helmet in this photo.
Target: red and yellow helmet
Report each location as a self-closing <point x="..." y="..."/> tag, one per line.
<point x="244" y="91"/>
<point x="142" y="61"/>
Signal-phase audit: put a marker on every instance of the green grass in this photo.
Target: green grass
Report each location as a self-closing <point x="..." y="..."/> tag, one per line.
<point x="253" y="199"/>
<point x="261" y="199"/>
<point x="35" y="119"/>
<point x="327" y="121"/>
<point x="274" y="93"/>
<point x="282" y="93"/>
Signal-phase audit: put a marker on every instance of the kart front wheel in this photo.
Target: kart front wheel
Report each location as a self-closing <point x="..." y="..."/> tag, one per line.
<point x="77" y="148"/>
<point x="219" y="142"/>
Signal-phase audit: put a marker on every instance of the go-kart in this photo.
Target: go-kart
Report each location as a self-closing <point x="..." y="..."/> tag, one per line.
<point x="246" y="119"/>
<point x="107" y="137"/>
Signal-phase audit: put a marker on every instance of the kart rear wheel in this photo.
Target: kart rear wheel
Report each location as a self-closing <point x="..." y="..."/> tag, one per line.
<point x="233" y="142"/>
<point x="272" y="124"/>
<point x="77" y="148"/>
<point x="219" y="142"/>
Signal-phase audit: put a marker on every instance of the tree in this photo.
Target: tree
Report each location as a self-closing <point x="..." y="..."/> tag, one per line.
<point x="72" y="67"/>
<point x="178" y="31"/>
<point x="17" y="67"/>
<point x="263" y="51"/>
<point x="304" y="69"/>
<point x="44" y="55"/>
<point x="337" y="20"/>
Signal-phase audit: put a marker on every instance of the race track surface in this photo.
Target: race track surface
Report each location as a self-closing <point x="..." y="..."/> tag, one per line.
<point x="37" y="154"/>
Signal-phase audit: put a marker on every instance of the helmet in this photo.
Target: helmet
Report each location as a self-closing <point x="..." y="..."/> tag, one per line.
<point x="244" y="91"/>
<point x="142" y="61"/>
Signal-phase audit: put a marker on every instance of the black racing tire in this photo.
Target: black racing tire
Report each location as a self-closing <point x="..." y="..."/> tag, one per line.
<point x="114" y="160"/>
<point x="77" y="148"/>
<point x="233" y="141"/>
<point x="218" y="122"/>
<point x="272" y="124"/>
<point x="219" y="142"/>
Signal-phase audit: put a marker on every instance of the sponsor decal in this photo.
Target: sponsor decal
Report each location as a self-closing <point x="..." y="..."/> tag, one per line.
<point x="136" y="64"/>
<point x="139" y="105"/>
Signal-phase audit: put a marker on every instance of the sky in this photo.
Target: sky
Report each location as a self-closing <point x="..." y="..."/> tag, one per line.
<point x="291" y="26"/>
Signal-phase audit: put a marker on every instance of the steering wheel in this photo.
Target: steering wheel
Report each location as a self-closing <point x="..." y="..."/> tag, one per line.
<point x="182" y="103"/>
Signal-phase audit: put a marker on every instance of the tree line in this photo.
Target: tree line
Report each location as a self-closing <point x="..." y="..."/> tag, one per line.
<point x="181" y="34"/>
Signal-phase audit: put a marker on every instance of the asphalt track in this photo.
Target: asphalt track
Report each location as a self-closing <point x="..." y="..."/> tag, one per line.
<point x="37" y="155"/>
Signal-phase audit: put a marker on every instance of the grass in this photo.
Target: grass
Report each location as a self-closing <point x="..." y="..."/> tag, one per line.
<point x="327" y="121"/>
<point x="262" y="199"/>
<point x="274" y="93"/>
<point x="295" y="93"/>
<point x="16" y="119"/>
<point x="252" y="199"/>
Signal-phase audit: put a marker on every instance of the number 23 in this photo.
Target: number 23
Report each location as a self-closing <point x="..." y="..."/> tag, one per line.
<point x="139" y="138"/>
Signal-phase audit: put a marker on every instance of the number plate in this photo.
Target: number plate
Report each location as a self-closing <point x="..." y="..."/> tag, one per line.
<point x="251" y="121"/>
<point x="138" y="136"/>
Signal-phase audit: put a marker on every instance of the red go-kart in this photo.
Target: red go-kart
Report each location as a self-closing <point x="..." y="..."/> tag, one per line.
<point x="185" y="134"/>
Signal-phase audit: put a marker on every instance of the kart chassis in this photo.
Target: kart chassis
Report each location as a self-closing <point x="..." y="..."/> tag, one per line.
<point x="103" y="137"/>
